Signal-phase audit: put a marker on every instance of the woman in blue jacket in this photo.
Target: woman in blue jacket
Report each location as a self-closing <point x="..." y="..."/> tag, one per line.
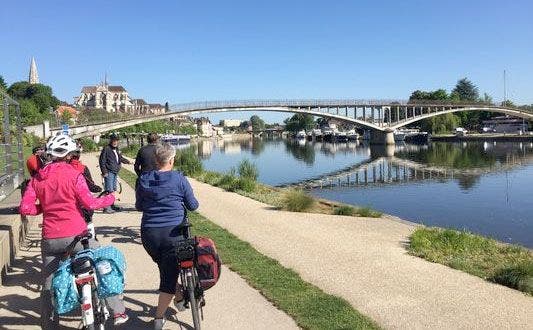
<point x="162" y="196"/>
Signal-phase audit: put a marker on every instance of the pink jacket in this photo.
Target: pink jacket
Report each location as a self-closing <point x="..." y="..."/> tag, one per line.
<point x="61" y="190"/>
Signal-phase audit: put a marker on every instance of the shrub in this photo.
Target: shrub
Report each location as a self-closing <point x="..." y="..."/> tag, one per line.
<point x="228" y="182"/>
<point x="344" y="210"/>
<point x="88" y="144"/>
<point x="518" y="277"/>
<point x="297" y="201"/>
<point x="368" y="212"/>
<point x="30" y="140"/>
<point x="246" y="184"/>
<point x="210" y="177"/>
<point x="188" y="162"/>
<point x="248" y="170"/>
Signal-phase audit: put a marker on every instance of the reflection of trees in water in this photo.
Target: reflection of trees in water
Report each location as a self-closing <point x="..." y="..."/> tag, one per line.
<point x="453" y="155"/>
<point x="304" y="152"/>
<point x="469" y="154"/>
<point x="467" y="182"/>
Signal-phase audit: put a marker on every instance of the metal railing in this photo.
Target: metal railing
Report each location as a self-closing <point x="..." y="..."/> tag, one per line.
<point x="11" y="150"/>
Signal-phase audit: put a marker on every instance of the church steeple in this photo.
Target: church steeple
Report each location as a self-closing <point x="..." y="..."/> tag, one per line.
<point x="34" y="76"/>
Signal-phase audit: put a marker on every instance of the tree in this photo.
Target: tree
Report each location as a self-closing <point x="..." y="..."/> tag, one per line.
<point x="258" y="124"/>
<point x="299" y="122"/>
<point x="166" y="106"/>
<point x="3" y="85"/>
<point x="465" y="90"/>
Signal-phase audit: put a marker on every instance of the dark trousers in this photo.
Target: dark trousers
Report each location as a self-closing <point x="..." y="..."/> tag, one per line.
<point x="158" y="241"/>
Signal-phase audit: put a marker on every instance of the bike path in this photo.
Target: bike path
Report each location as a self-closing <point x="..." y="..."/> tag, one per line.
<point x="231" y="304"/>
<point x="364" y="261"/>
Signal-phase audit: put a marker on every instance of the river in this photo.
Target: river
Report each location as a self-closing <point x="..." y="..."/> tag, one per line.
<point x="483" y="187"/>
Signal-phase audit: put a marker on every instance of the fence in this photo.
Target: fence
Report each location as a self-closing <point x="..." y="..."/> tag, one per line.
<point x="11" y="150"/>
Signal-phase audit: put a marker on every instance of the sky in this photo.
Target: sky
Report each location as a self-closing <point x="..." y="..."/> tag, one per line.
<point x="179" y="51"/>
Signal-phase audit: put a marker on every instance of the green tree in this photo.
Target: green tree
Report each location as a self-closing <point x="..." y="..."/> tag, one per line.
<point x="40" y="95"/>
<point x="299" y="122"/>
<point x="440" y="124"/>
<point x="3" y="85"/>
<point x="66" y="117"/>
<point x="258" y="124"/>
<point x="29" y="113"/>
<point x="465" y="90"/>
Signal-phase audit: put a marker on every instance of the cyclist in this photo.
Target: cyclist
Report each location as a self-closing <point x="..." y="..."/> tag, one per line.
<point x="162" y="195"/>
<point x="145" y="160"/>
<point x="61" y="189"/>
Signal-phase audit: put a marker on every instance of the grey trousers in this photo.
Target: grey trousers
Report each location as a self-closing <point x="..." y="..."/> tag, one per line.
<point x="52" y="251"/>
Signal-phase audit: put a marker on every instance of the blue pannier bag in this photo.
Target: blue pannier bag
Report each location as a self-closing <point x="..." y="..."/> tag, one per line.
<point x="110" y="269"/>
<point x="65" y="292"/>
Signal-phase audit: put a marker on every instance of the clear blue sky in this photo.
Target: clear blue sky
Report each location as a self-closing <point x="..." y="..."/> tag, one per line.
<point x="209" y="50"/>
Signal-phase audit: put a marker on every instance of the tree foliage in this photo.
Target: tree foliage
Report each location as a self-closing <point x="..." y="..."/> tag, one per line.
<point x="465" y="90"/>
<point x="3" y="85"/>
<point x="37" y="101"/>
<point x="258" y="124"/>
<point x="299" y="122"/>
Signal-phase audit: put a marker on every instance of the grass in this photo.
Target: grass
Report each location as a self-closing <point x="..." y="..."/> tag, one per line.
<point x="309" y="306"/>
<point x="297" y="201"/>
<point x="508" y="265"/>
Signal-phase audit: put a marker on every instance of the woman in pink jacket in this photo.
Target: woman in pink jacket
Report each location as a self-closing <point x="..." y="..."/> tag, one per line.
<point x="62" y="191"/>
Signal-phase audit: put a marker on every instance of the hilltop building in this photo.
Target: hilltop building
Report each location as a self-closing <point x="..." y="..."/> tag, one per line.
<point x="33" y="77"/>
<point x="114" y="99"/>
<point x="204" y="126"/>
<point x="227" y="123"/>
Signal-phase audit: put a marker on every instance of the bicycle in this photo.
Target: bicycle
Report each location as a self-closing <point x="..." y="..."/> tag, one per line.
<point x="184" y="251"/>
<point x="94" y="312"/>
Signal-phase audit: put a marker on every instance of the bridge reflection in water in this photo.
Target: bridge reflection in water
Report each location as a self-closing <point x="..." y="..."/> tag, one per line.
<point x="386" y="166"/>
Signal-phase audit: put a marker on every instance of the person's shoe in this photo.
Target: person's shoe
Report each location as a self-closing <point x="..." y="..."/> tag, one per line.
<point x="109" y="210"/>
<point x="116" y="208"/>
<point x="159" y="323"/>
<point x="180" y="305"/>
<point x="121" y="318"/>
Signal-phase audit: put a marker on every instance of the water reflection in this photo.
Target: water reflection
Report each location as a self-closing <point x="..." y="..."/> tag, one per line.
<point x="480" y="186"/>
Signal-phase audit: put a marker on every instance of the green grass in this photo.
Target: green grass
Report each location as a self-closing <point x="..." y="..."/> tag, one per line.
<point x="509" y="265"/>
<point x="297" y="201"/>
<point x="345" y="210"/>
<point x="368" y="212"/>
<point x="310" y="307"/>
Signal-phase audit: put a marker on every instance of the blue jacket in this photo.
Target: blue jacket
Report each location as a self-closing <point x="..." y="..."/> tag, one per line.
<point x="161" y="197"/>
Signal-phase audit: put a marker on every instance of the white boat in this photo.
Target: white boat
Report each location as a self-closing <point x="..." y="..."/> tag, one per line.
<point x="176" y="138"/>
<point x="341" y="136"/>
<point x="352" y="135"/>
<point x="301" y="134"/>
<point x="399" y="136"/>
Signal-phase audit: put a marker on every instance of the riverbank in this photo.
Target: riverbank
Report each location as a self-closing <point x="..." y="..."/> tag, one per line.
<point x="366" y="263"/>
<point x="483" y="137"/>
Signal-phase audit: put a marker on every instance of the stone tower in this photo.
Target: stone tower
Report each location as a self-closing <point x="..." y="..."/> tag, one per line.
<point x="34" y="76"/>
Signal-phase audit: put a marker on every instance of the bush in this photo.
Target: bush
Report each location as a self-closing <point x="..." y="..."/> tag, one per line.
<point x="368" y="212"/>
<point x="88" y="144"/>
<point x="344" y="210"/>
<point x="30" y="140"/>
<point x="248" y="170"/>
<point x="297" y="201"/>
<point x="210" y="177"/>
<point x="188" y="162"/>
<point x="228" y="182"/>
<point x="246" y="184"/>
<point x="519" y="277"/>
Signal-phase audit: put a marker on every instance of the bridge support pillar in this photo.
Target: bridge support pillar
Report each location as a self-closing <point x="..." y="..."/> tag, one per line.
<point x="96" y="139"/>
<point x="381" y="137"/>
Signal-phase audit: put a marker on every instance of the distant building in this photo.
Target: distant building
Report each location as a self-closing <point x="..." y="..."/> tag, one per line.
<point x="104" y="96"/>
<point x="230" y="123"/>
<point x="204" y="126"/>
<point x="504" y="124"/>
<point x="115" y="99"/>
<point x="33" y="77"/>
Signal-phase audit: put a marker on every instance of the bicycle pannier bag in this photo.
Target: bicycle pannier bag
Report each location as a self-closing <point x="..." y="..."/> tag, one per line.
<point x="208" y="262"/>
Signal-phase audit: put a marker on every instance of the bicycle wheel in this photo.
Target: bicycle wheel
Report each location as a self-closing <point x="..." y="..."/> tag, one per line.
<point x="193" y="301"/>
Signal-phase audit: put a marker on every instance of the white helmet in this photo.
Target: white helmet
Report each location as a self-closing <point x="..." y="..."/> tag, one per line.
<point x="60" y="145"/>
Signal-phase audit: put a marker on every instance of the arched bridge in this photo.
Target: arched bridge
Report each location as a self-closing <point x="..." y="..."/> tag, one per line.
<point x="382" y="117"/>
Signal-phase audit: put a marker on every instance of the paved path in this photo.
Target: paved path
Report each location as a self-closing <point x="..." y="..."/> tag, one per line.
<point x="231" y="304"/>
<point x="364" y="261"/>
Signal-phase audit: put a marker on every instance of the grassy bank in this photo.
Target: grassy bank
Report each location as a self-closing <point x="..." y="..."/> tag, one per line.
<point x="309" y="306"/>
<point x="508" y="265"/>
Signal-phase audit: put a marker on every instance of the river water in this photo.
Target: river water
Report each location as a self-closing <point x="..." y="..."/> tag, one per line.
<point x="483" y="187"/>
